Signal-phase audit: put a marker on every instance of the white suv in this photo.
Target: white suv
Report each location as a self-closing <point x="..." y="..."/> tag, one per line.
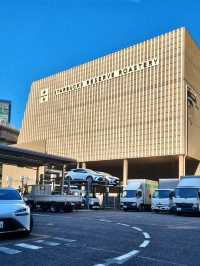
<point x="87" y="175"/>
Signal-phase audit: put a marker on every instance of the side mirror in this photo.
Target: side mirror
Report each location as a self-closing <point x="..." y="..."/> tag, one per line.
<point x="139" y="194"/>
<point x="199" y="194"/>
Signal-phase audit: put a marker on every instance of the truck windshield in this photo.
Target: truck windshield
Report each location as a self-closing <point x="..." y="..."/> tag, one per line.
<point x="129" y="193"/>
<point x="186" y="192"/>
<point x="161" y="194"/>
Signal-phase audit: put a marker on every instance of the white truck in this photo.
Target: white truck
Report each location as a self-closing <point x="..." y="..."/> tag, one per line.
<point x="41" y="197"/>
<point x="137" y="194"/>
<point x="162" y="199"/>
<point x="187" y="195"/>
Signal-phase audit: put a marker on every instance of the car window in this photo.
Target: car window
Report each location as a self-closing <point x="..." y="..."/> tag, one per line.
<point x="79" y="171"/>
<point x="9" y="195"/>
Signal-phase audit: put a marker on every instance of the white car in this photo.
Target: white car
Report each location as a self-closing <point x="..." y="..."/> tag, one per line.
<point x="15" y="215"/>
<point x="81" y="174"/>
<point x="111" y="180"/>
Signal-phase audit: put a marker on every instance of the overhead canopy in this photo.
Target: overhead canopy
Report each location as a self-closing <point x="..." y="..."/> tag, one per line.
<point x="28" y="158"/>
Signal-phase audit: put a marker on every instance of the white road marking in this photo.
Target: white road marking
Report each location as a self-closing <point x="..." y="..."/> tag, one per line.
<point x="105" y="220"/>
<point x="127" y="225"/>
<point x="28" y="246"/>
<point x="126" y="256"/>
<point x="144" y="244"/>
<point x="121" y="259"/>
<point x="9" y="251"/>
<point x="64" y="239"/>
<point x="44" y="215"/>
<point x="137" y="229"/>
<point x="146" y="235"/>
<point x="48" y="243"/>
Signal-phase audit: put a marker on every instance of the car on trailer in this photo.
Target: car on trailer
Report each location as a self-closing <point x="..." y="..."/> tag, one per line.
<point x="110" y="179"/>
<point x="84" y="175"/>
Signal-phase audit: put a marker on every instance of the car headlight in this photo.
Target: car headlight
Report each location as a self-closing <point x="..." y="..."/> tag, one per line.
<point x="21" y="212"/>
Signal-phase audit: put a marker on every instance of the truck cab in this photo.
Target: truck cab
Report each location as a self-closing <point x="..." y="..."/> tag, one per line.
<point x="162" y="200"/>
<point x="131" y="199"/>
<point x="187" y="195"/>
<point x="137" y="194"/>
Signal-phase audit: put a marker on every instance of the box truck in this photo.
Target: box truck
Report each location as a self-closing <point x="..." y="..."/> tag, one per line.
<point x="162" y="199"/>
<point x="137" y="194"/>
<point x="187" y="195"/>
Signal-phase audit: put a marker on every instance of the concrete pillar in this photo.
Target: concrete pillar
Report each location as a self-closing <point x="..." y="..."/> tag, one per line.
<point x="181" y="165"/>
<point x="78" y="165"/>
<point x="125" y="172"/>
<point x="37" y="175"/>
<point x="83" y="165"/>
<point x="197" y="172"/>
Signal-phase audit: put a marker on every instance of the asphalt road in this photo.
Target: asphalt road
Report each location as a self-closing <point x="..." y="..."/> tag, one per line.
<point x="103" y="238"/>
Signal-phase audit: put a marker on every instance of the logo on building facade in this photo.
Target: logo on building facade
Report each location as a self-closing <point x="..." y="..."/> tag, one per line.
<point x="44" y="95"/>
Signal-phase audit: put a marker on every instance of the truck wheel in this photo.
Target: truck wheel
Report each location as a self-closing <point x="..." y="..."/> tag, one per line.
<point x="140" y="208"/>
<point x="54" y="208"/>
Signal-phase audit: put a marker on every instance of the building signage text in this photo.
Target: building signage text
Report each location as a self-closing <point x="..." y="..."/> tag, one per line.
<point x="108" y="76"/>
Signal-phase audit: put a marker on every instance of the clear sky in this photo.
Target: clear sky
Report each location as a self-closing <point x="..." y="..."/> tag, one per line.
<point x="41" y="37"/>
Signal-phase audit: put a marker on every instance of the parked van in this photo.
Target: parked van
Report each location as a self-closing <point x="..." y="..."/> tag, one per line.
<point x="187" y="195"/>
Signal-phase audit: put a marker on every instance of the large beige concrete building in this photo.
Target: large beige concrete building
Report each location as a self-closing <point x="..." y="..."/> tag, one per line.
<point x="134" y="113"/>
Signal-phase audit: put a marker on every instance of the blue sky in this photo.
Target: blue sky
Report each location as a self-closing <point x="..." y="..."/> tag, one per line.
<point x="42" y="37"/>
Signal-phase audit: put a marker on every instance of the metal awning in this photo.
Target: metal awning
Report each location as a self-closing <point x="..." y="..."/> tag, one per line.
<point x="28" y="158"/>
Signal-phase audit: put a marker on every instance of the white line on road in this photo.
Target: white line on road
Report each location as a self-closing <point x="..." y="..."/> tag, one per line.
<point x="28" y="246"/>
<point x="105" y="220"/>
<point x="146" y="235"/>
<point x="137" y="228"/>
<point x="64" y="239"/>
<point x="127" y="225"/>
<point x="126" y="256"/>
<point x="44" y="215"/>
<point x="48" y="243"/>
<point x="144" y="244"/>
<point x="9" y="251"/>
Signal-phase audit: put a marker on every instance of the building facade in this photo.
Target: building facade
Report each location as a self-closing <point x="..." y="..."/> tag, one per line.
<point x="8" y="136"/>
<point x="134" y="112"/>
<point x="5" y="112"/>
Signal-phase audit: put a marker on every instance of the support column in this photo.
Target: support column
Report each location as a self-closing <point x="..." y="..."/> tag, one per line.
<point x="125" y="172"/>
<point x="37" y="175"/>
<point x="78" y="165"/>
<point x="63" y="179"/>
<point x="83" y="165"/>
<point x="181" y="165"/>
<point x="197" y="172"/>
